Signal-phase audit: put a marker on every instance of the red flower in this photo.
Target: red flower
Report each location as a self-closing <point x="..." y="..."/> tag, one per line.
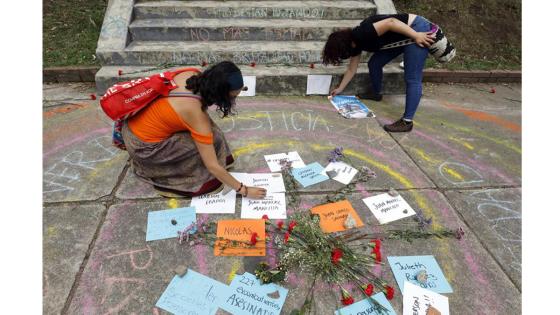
<point x="92" y="96"/>
<point x="204" y="63"/>
<point x="120" y="72"/>
<point x="253" y="64"/>
<point x="336" y="255"/>
<point x="375" y="243"/>
<point x="376" y="254"/>
<point x="286" y="237"/>
<point x="347" y="299"/>
<point x="280" y="224"/>
<point x="492" y="90"/>
<point x="389" y="292"/>
<point x="312" y="66"/>
<point x="368" y="290"/>
<point x="264" y="217"/>
<point x="254" y="238"/>
<point x="292" y="226"/>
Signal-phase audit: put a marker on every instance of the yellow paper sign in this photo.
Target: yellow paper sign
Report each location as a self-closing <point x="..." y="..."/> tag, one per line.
<point x="234" y="237"/>
<point x="334" y="215"/>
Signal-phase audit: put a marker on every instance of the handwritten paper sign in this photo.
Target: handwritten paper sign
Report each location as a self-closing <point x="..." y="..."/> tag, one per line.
<point x="193" y="293"/>
<point x="250" y="81"/>
<point x="273" y="205"/>
<point x="310" y="174"/>
<point x="248" y="296"/>
<point x="319" y="84"/>
<point x="345" y="172"/>
<point x="406" y="268"/>
<point x="334" y="216"/>
<point x="387" y="208"/>
<point x="416" y="300"/>
<point x="215" y="203"/>
<point x="366" y="307"/>
<point x="241" y="232"/>
<point x="272" y="182"/>
<point x="164" y="224"/>
<point x="273" y="160"/>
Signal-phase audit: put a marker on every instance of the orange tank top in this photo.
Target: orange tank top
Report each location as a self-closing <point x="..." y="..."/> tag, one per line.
<point x="159" y="121"/>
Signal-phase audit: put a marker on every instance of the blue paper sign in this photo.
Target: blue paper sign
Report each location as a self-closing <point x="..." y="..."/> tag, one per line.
<point x="366" y="307"/>
<point x="193" y="293"/>
<point x="248" y="296"/>
<point x="166" y="223"/>
<point x="310" y="174"/>
<point x="422" y="271"/>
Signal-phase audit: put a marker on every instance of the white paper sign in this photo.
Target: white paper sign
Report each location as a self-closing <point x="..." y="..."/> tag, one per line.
<point x="273" y="205"/>
<point x="272" y="182"/>
<point x="273" y="160"/>
<point x="318" y="84"/>
<point x="250" y="81"/>
<point x="416" y="300"/>
<point x="215" y="203"/>
<point x="345" y="172"/>
<point x="387" y="208"/>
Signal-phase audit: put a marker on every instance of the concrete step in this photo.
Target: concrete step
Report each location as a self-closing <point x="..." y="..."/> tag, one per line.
<point x="328" y="10"/>
<point x="195" y="53"/>
<point x="235" y="29"/>
<point x="273" y="79"/>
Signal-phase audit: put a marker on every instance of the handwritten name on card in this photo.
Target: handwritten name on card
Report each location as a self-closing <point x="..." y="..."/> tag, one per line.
<point x="422" y="271"/>
<point x="215" y="203"/>
<point x="387" y="208"/>
<point x="417" y="300"/>
<point x="310" y="174"/>
<point x="273" y="205"/>
<point x="273" y="160"/>
<point x="248" y="296"/>
<point x="272" y="182"/>
<point x="234" y="237"/>
<point x="334" y="216"/>
<point x="345" y="173"/>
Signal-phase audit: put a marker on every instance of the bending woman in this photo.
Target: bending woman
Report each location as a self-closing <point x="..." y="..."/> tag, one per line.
<point x="372" y="34"/>
<point x="175" y="145"/>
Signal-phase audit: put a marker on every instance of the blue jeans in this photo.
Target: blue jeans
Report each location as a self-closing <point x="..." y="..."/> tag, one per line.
<point x="414" y="59"/>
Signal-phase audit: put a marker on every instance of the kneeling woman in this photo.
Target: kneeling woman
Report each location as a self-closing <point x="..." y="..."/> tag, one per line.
<point x="175" y="145"/>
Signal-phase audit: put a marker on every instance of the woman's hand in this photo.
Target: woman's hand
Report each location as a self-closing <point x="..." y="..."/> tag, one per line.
<point x="255" y="192"/>
<point x="423" y="39"/>
<point x="336" y="91"/>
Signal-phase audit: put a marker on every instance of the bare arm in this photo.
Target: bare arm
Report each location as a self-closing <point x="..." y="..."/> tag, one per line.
<point x="201" y="123"/>
<point x="423" y="39"/>
<point x="348" y="75"/>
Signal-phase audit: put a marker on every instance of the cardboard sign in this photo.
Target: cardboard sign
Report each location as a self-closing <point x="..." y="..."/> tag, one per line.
<point x="193" y="293"/>
<point x="318" y="84"/>
<point x="164" y="224"/>
<point x="345" y="172"/>
<point x="417" y="300"/>
<point x="406" y="268"/>
<point x="240" y="230"/>
<point x="366" y="307"/>
<point x="273" y="160"/>
<point x="215" y="203"/>
<point x="272" y="182"/>
<point x="310" y="174"/>
<point x="334" y="216"/>
<point x="248" y="296"/>
<point x="273" y="205"/>
<point x="387" y="208"/>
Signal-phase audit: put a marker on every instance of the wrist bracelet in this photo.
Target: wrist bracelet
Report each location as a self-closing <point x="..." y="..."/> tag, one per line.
<point x="246" y="192"/>
<point x="240" y="187"/>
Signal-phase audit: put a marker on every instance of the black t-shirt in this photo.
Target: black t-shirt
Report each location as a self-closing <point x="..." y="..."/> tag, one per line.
<point x="365" y="37"/>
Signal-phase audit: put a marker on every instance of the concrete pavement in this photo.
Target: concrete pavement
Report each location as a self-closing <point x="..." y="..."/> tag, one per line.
<point x="461" y="165"/>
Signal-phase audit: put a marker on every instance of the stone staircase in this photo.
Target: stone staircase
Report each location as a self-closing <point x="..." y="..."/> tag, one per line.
<point x="279" y="42"/>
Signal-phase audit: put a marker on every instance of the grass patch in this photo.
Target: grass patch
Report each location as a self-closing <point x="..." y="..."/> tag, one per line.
<point x="486" y="33"/>
<point x="70" y="31"/>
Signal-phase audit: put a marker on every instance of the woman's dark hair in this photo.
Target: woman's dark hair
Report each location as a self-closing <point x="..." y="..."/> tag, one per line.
<point x="337" y="47"/>
<point x="212" y="85"/>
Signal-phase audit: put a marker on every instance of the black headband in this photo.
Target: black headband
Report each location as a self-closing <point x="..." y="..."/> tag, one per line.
<point x="235" y="81"/>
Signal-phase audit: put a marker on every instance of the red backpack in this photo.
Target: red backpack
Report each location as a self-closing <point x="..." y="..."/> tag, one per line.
<point x="125" y="99"/>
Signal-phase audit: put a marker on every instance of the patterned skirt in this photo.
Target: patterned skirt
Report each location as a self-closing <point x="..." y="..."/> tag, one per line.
<point x="175" y="164"/>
